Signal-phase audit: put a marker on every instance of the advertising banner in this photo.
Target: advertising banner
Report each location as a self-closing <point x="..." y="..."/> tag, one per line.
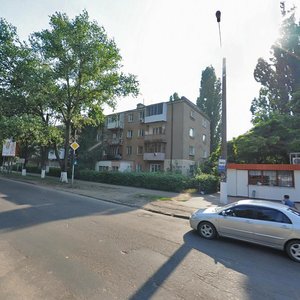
<point x="9" y="148"/>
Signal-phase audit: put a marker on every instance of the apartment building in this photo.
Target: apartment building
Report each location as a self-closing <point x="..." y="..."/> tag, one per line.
<point x="167" y="136"/>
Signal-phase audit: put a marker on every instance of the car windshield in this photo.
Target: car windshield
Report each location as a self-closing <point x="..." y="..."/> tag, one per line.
<point x="294" y="211"/>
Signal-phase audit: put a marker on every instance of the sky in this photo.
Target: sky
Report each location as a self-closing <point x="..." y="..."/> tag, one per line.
<point x="168" y="43"/>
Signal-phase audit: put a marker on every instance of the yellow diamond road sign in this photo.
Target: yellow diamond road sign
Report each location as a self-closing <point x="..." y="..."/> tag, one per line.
<point x="74" y="146"/>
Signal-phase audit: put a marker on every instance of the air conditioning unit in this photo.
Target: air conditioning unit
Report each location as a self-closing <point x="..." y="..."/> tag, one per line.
<point x="296" y="160"/>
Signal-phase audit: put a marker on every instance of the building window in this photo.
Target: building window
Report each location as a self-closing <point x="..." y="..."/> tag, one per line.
<point x="191" y="150"/>
<point x="204" y="154"/>
<point x="155" y="109"/>
<point x="115" y="168"/>
<point x="140" y="150"/>
<point x="138" y="168"/>
<point x="141" y="132"/>
<point x="129" y="134"/>
<point x="204" y="123"/>
<point x="155" y="167"/>
<point x="103" y="168"/>
<point x="192" y="132"/>
<point x="141" y="115"/>
<point x="157" y="130"/>
<point x="130" y="117"/>
<point x="204" y="138"/>
<point x="129" y="150"/>
<point x="271" y="178"/>
<point x="155" y="148"/>
<point x="192" y="114"/>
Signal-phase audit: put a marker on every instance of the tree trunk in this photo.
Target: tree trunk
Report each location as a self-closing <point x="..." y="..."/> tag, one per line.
<point x="66" y="146"/>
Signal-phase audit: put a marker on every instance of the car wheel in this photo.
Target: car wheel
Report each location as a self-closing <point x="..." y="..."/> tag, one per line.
<point x="207" y="230"/>
<point x="293" y="250"/>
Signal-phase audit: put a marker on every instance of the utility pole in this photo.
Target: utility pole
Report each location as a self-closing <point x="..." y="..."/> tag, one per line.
<point x="222" y="166"/>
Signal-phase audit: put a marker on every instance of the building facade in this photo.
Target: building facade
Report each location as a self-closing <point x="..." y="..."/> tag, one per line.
<point x="167" y="136"/>
<point x="264" y="181"/>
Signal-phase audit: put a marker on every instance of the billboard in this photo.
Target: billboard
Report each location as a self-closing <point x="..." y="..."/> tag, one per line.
<point x="9" y="148"/>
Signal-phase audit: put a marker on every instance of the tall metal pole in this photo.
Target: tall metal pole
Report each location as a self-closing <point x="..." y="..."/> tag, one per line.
<point x="223" y="159"/>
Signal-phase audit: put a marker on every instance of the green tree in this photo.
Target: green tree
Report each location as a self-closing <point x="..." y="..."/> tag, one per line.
<point x="174" y="97"/>
<point x="85" y="68"/>
<point x="269" y="141"/>
<point x="280" y="77"/>
<point x="24" y="95"/>
<point x="210" y="101"/>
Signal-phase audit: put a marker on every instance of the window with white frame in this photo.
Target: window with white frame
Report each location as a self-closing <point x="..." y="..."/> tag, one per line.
<point x="129" y="150"/>
<point x="192" y="114"/>
<point x="191" y="150"/>
<point x="130" y="117"/>
<point x="141" y="115"/>
<point x="129" y="134"/>
<point x="204" y="138"/>
<point x="155" y="167"/>
<point x="204" y="123"/>
<point x="115" y="168"/>
<point x="154" y="109"/>
<point x="271" y="178"/>
<point x="103" y="168"/>
<point x="138" y="168"/>
<point x="204" y="154"/>
<point x="141" y="132"/>
<point x="157" y="130"/>
<point x="192" y="132"/>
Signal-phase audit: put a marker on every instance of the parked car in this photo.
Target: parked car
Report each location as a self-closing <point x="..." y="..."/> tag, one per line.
<point x="262" y="222"/>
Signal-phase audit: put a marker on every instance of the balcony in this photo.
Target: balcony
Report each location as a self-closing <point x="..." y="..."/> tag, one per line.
<point x="115" y="141"/>
<point x="115" y="125"/>
<point x="155" y="138"/>
<point x="154" y="156"/>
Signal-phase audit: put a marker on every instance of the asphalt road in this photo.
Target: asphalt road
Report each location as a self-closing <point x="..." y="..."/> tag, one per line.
<point x="55" y="245"/>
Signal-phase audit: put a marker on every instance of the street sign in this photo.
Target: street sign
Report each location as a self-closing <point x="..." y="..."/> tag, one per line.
<point x="222" y="165"/>
<point x="74" y="146"/>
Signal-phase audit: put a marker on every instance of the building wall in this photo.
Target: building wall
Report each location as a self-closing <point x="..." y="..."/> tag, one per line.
<point x="180" y="112"/>
<point x="237" y="185"/>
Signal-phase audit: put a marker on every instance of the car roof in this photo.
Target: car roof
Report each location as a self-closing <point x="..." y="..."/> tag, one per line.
<point x="264" y="203"/>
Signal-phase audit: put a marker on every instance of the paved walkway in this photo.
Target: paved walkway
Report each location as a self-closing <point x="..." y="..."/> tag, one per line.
<point x="168" y="203"/>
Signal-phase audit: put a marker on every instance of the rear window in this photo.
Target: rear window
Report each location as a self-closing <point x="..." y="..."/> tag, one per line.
<point x="294" y="211"/>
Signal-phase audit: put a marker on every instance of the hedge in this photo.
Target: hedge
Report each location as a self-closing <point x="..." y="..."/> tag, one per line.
<point x="205" y="183"/>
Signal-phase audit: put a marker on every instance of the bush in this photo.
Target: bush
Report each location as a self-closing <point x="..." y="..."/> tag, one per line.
<point x="206" y="183"/>
<point x="157" y="181"/>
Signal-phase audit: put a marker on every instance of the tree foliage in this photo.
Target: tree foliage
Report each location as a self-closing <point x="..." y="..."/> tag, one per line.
<point x="63" y="77"/>
<point x="276" y="111"/>
<point x="85" y="68"/>
<point x="280" y="76"/>
<point x="209" y="102"/>
<point x="269" y="141"/>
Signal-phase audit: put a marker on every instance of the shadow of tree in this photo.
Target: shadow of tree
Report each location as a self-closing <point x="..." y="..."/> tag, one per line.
<point x="263" y="267"/>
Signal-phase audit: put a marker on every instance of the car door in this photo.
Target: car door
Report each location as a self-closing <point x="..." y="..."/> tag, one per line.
<point x="237" y="222"/>
<point x="271" y="227"/>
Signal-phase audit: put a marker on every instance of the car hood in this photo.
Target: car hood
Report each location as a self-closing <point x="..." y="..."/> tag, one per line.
<point x="209" y="210"/>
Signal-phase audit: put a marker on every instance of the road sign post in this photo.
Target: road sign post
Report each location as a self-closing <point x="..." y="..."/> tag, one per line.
<point x="74" y="146"/>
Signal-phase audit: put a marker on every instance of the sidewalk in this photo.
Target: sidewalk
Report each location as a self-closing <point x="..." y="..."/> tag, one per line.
<point x="167" y="203"/>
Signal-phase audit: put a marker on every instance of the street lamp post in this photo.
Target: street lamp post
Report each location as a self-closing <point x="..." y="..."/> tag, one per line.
<point x="223" y="159"/>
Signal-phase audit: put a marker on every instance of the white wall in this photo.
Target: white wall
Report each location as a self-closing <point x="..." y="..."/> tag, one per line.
<point x="104" y="163"/>
<point x="237" y="185"/>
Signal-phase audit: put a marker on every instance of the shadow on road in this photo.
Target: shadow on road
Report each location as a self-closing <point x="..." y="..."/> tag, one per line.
<point x="261" y="266"/>
<point x="38" y="205"/>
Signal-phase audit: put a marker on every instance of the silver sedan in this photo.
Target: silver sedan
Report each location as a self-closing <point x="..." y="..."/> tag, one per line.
<point x="262" y="222"/>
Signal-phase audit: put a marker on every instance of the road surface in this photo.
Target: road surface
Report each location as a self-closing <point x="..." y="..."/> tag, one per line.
<point x="56" y="245"/>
